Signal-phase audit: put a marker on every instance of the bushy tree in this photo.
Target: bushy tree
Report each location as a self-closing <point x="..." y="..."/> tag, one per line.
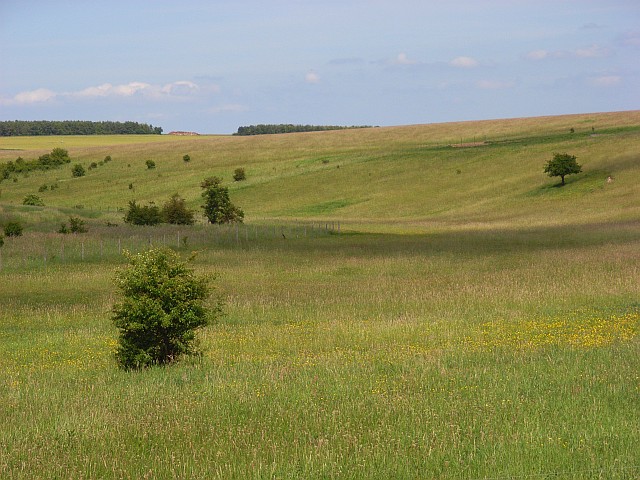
<point x="13" y="229"/>
<point x="78" y="170"/>
<point x="33" y="200"/>
<point x="239" y="174"/>
<point x="175" y="211"/>
<point x="561" y="165"/>
<point x="186" y="158"/>
<point x="218" y="207"/>
<point x="142" y="214"/>
<point x="76" y="225"/>
<point x="163" y="305"/>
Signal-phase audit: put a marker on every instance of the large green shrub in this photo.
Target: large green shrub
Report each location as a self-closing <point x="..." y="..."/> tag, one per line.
<point x="13" y="229"/>
<point x="239" y="174"/>
<point x="78" y="170"/>
<point x="163" y="305"/>
<point x="76" y="225"/>
<point x="33" y="200"/>
<point x="142" y="214"/>
<point x="175" y="211"/>
<point x="218" y="207"/>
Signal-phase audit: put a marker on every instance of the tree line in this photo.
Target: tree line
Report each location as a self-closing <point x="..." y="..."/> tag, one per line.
<point x="266" y="129"/>
<point x="57" y="157"/>
<point x="74" y="127"/>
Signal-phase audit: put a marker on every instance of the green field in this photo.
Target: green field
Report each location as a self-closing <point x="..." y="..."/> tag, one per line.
<point x="406" y="302"/>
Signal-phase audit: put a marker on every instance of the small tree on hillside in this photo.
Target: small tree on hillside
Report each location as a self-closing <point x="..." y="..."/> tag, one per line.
<point x="163" y="304"/>
<point x="217" y="207"/>
<point x="33" y="200"/>
<point x="78" y="170"/>
<point x="239" y="174"/>
<point x="13" y="229"/>
<point x="561" y="165"/>
<point x="142" y="214"/>
<point x="175" y="211"/>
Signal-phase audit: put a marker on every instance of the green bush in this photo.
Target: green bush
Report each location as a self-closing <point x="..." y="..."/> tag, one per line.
<point x="186" y="158"/>
<point x="78" y="170"/>
<point x="13" y="229"/>
<point x="150" y="164"/>
<point x="218" y="207"/>
<point x="33" y="200"/>
<point x="43" y="188"/>
<point x="76" y="225"/>
<point x="163" y="304"/>
<point x="239" y="174"/>
<point x="142" y="214"/>
<point x="175" y="211"/>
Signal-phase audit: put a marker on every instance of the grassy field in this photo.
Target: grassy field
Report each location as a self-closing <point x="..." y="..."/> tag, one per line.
<point x="480" y="324"/>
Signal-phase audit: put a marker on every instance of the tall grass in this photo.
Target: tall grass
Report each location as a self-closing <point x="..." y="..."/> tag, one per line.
<point x="455" y="355"/>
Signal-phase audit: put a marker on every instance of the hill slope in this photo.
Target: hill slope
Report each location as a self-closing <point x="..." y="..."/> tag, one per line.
<point x="449" y="174"/>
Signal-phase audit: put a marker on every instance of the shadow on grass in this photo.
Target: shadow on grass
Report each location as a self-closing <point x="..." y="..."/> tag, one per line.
<point x="467" y="243"/>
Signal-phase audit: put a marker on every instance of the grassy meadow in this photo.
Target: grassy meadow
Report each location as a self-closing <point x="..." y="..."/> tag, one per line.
<point x="467" y="319"/>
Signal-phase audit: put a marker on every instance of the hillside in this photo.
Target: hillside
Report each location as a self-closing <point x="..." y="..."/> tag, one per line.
<point x="470" y="320"/>
<point x="438" y="174"/>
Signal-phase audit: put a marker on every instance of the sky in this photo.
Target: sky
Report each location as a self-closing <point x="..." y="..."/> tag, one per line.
<point x="211" y="66"/>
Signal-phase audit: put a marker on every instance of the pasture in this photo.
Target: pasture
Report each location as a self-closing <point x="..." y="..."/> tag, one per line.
<point x="469" y="319"/>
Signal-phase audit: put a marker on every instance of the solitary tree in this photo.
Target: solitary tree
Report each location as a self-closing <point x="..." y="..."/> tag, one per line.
<point x="78" y="170"/>
<point x="562" y="164"/>
<point x="142" y="214"/>
<point x="239" y="174"/>
<point x="163" y="305"/>
<point x="217" y="206"/>
<point x="175" y="211"/>
<point x="33" y="199"/>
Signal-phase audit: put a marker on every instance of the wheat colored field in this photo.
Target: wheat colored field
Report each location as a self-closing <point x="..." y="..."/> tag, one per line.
<point x="406" y="302"/>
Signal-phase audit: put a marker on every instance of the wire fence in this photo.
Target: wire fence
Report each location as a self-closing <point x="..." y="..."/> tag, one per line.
<point x="35" y="249"/>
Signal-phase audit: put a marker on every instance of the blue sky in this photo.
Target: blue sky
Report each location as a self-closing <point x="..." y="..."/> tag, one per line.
<point x="211" y="66"/>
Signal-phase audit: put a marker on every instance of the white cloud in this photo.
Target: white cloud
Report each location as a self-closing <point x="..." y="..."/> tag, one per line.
<point x="30" y="97"/>
<point x="312" y="77"/>
<point x="109" y="90"/>
<point x="606" y="81"/>
<point x="464" y="62"/>
<point x="180" y="89"/>
<point x="402" y="59"/>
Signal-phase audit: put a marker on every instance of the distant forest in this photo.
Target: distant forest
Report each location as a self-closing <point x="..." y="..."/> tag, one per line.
<point x="288" y="128"/>
<point x="74" y="127"/>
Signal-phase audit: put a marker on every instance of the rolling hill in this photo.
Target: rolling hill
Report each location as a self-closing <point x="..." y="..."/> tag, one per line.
<point x="439" y="174"/>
